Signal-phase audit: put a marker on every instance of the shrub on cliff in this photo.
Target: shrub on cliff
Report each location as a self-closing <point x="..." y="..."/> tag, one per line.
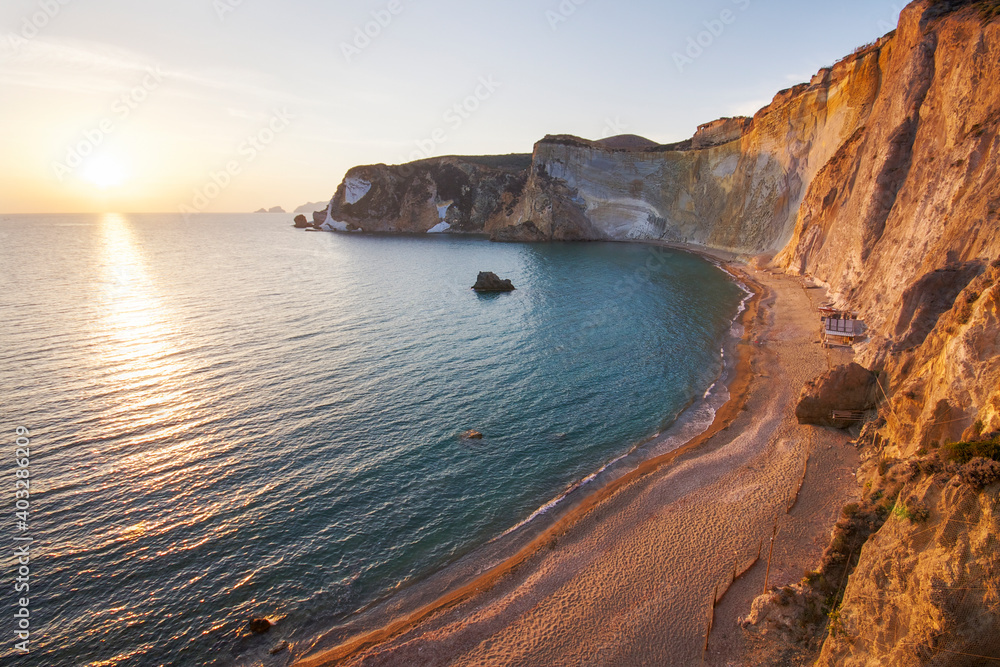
<point x="980" y="473"/>
<point x="963" y="452"/>
<point x="987" y="9"/>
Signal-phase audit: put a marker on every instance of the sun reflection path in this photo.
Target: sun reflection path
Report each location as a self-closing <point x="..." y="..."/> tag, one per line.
<point x="153" y="423"/>
<point x="140" y="362"/>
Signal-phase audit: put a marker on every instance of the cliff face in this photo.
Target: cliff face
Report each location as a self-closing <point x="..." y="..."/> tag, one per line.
<point x="880" y="170"/>
<point x="926" y="588"/>
<point x="904" y="219"/>
<point x="917" y="188"/>
<point x="735" y="186"/>
<point x="453" y="193"/>
<point x="901" y="224"/>
<point x="946" y="387"/>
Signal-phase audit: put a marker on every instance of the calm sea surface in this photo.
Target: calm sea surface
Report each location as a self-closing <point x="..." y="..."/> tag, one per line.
<point x="230" y="418"/>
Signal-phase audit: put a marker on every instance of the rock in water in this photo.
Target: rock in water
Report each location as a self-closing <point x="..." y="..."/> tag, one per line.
<point x="260" y="626"/>
<point x="851" y="388"/>
<point x="301" y="222"/>
<point x="491" y="282"/>
<point x="472" y="435"/>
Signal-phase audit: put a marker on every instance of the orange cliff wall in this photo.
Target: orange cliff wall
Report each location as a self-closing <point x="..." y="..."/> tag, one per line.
<point x="902" y="224"/>
<point x="741" y="196"/>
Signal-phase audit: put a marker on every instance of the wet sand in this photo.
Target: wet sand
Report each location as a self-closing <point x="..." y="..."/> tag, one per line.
<point x="628" y="577"/>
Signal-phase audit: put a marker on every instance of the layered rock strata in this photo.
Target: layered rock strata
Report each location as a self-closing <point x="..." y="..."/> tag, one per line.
<point x="435" y="195"/>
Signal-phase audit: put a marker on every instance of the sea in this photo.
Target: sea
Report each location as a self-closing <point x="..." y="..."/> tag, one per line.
<point x="214" y="419"/>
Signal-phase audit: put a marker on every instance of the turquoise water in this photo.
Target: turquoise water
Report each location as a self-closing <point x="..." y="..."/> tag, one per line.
<point x="230" y="418"/>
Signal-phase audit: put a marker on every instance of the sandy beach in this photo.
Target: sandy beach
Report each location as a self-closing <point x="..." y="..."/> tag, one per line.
<point x="628" y="578"/>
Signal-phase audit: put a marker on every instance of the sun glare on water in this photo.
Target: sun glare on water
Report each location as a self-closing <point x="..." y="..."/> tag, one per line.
<point x="105" y="172"/>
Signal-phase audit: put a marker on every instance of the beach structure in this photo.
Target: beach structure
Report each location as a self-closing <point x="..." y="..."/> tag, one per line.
<point x="841" y="329"/>
<point x="847" y="415"/>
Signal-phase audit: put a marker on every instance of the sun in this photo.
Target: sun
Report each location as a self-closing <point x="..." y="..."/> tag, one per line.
<point x="105" y="172"/>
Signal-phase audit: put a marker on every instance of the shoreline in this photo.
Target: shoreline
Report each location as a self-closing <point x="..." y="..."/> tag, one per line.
<point x="738" y="384"/>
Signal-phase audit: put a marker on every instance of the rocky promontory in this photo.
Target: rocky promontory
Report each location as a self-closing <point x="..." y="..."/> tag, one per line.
<point x="457" y="194"/>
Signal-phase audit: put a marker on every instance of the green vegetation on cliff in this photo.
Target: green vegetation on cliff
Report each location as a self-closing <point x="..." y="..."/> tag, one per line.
<point x="987" y="9"/>
<point x="963" y="452"/>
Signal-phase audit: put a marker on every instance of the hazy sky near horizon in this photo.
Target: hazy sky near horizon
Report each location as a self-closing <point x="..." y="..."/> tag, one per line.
<point x="233" y="105"/>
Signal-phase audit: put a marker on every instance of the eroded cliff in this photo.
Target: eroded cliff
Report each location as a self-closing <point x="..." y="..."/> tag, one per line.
<point x="902" y="225"/>
<point x="925" y="590"/>
<point x="459" y="194"/>
<point x="736" y="186"/>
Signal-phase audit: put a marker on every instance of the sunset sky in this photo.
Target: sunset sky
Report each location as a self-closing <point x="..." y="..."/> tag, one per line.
<point x="233" y="105"/>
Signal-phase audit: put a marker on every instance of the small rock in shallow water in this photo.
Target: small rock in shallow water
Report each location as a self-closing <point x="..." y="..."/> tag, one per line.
<point x="281" y="646"/>
<point x="260" y="626"/>
<point x="491" y="282"/>
<point x="472" y="435"/>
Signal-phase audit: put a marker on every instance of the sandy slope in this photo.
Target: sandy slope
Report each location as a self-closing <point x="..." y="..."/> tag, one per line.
<point x="631" y="582"/>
